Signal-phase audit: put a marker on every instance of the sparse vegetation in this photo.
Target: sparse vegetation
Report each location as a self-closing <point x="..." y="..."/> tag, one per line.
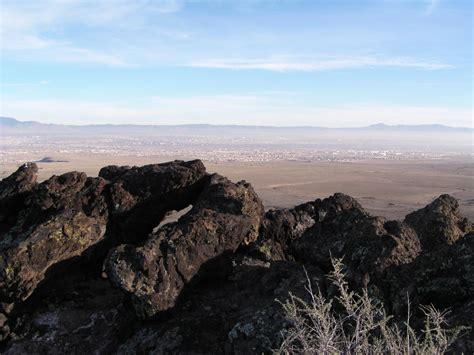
<point x="355" y="323"/>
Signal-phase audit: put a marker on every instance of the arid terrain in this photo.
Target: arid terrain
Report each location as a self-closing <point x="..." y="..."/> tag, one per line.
<point x="214" y="290"/>
<point x="391" y="170"/>
<point x="387" y="188"/>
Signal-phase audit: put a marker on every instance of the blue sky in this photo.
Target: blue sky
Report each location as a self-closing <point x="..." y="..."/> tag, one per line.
<point x="320" y="63"/>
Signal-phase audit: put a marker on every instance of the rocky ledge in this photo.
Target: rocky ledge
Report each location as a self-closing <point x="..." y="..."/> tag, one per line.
<point x="87" y="264"/>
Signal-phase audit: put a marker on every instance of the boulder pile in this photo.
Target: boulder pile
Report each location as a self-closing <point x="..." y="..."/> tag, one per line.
<point x="87" y="264"/>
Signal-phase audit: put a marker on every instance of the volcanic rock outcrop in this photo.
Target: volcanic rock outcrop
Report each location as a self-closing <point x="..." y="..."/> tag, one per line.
<point x="86" y="264"/>
<point x="65" y="215"/>
<point x="439" y="223"/>
<point x="224" y="216"/>
<point x="13" y="190"/>
<point x="62" y="217"/>
<point x="139" y="197"/>
<point x="369" y="245"/>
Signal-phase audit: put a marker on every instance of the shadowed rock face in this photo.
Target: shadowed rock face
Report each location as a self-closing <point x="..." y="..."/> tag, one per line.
<point x="369" y="245"/>
<point x="444" y="277"/>
<point x="238" y="315"/>
<point x="224" y="216"/>
<point x="209" y="282"/>
<point x="139" y="197"/>
<point x="280" y="228"/>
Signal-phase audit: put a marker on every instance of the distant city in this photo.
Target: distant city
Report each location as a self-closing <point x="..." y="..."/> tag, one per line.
<point x="34" y="141"/>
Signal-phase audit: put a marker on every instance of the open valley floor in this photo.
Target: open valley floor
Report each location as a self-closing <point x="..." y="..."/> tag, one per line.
<point x="386" y="188"/>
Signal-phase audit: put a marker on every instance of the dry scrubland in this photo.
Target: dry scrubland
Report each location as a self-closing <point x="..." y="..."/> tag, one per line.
<point x="387" y="188"/>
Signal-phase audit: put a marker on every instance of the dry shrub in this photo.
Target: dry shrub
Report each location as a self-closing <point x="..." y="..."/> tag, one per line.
<point x="361" y="327"/>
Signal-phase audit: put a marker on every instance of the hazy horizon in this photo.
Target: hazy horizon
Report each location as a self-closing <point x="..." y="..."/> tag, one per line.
<point x="265" y="63"/>
<point x="375" y="125"/>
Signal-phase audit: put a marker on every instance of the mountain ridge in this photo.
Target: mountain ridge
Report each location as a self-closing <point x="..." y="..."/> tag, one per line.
<point x="9" y="122"/>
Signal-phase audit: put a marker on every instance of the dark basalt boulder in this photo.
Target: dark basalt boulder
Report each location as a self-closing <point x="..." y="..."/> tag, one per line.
<point x="21" y="181"/>
<point x="149" y="181"/>
<point x="140" y="197"/>
<point x="368" y="245"/>
<point x="439" y="223"/>
<point x="281" y="227"/>
<point x="13" y="191"/>
<point x="286" y="225"/>
<point x="62" y="218"/>
<point x="224" y="216"/>
<point x="443" y="277"/>
<point x="48" y="227"/>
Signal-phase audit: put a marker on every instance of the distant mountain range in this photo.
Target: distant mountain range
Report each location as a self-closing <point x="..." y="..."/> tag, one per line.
<point x="8" y="122"/>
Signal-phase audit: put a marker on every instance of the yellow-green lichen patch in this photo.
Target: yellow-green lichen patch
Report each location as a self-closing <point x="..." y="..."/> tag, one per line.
<point x="9" y="271"/>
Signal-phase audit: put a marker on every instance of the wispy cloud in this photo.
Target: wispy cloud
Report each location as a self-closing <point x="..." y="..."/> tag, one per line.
<point x="121" y="32"/>
<point x="317" y="64"/>
<point x="26" y="27"/>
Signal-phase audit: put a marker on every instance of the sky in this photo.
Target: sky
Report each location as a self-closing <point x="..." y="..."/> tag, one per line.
<point x="334" y="63"/>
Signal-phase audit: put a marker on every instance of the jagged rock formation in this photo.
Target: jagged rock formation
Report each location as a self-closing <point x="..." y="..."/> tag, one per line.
<point x="62" y="217"/>
<point x="368" y="244"/>
<point x="13" y="190"/>
<point x="224" y="216"/>
<point x="140" y="196"/>
<point x="84" y="260"/>
<point x="439" y="223"/>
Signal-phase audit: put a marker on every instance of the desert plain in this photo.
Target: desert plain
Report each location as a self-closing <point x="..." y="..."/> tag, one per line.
<point x="386" y="188"/>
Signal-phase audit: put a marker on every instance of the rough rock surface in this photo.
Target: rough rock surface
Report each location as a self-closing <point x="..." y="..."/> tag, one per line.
<point x="210" y="282"/>
<point x="439" y="223"/>
<point x="13" y="191"/>
<point x="77" y="314"/>
<point x="64" y="216"/>
<point x="368" y="245"/>
<point x="443" y="277"/>
<point x="224" y="216"/>
<point x="280" y="228"/>
<point x="139" y="197"/>
<point x="238" y="315"/>
<point x="61" y="219"/>
<point x="48" y="226"/>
